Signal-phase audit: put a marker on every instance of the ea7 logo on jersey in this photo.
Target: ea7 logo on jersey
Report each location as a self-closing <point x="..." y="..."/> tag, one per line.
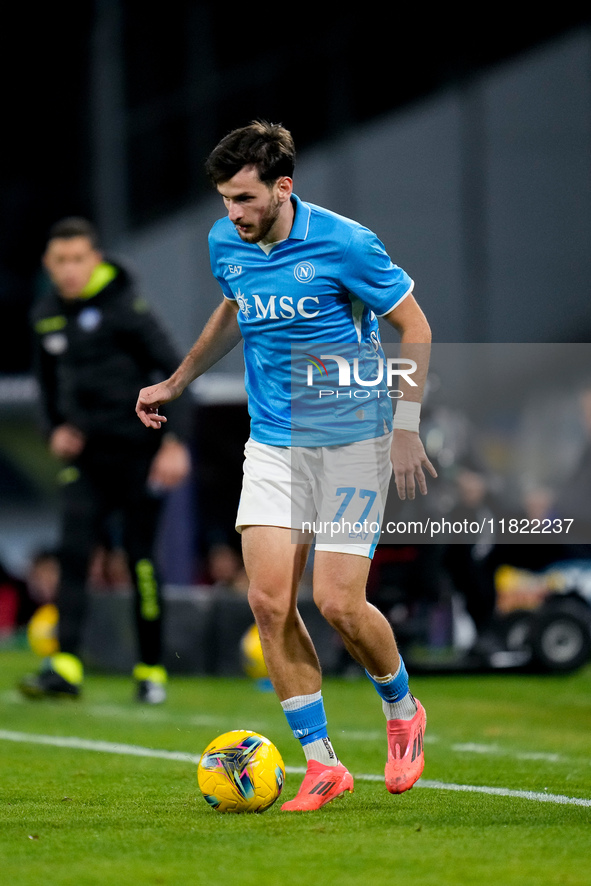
<point x="304" y="272"/>
<point x="235" y="269"/>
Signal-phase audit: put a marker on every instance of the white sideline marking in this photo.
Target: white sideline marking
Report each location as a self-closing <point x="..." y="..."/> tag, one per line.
<point x="495" y="750"/>
<point x="144" y="713"/>
<point x="105" y="747"/>
<point x="108" y="747"/>
<point x="504" y="792"/>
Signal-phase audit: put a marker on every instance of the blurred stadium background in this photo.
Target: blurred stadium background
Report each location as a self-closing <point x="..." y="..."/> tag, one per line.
<point x="466" y="145"/>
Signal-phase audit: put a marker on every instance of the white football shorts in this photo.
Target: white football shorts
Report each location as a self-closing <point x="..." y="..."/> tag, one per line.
<point x="335" y="493"/>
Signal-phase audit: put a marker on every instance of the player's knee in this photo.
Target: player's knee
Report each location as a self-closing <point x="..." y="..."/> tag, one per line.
<point x="343" y="617"/>
<point x="269" y="609"/>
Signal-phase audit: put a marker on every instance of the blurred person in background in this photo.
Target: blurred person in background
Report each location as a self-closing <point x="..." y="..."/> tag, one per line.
<point x="225" y="569"/>
<point x="22" y="596"/>
<point x="12" y="594"/>
<point x="573" y="499"/>
<point x="95" y="342"/>
<point x="470" y="563"/>
<point x="43" y="577"/>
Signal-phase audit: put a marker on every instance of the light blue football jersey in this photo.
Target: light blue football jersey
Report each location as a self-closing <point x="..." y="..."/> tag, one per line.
<point x="323" y="287"/>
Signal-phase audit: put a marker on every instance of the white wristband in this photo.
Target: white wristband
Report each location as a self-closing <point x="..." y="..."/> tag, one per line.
<point x="407" y="415"/>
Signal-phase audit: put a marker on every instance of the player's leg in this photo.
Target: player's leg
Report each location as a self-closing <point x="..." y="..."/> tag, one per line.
<point x="274" y="562"/>
<point x="339" y="592"/>
<point x="276" y="495"/>
<point x="274" y="565"/>
<point x="351" y="492"/>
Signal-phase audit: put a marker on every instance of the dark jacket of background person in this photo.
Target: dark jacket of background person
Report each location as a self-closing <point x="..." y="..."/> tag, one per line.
<point x="92" y="355"/>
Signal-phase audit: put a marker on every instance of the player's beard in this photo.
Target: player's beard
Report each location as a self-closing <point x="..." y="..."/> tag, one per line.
<point x="258" y="232"/>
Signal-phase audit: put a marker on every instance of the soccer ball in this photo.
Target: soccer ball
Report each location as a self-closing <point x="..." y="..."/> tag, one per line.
<point x="251" y="653"/>
<point x="241" y="771"/>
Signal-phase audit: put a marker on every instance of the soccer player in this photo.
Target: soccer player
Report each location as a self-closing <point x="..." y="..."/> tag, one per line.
<point x="293" y="273"/>
<point x="95" y="342"/>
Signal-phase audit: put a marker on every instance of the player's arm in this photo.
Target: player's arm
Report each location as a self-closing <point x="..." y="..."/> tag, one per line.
<point x="408" y="454"/>
<point x="220" y="335"/>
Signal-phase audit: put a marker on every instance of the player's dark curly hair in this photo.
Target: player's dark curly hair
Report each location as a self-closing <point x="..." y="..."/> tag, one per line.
<point x="267" y="146"/>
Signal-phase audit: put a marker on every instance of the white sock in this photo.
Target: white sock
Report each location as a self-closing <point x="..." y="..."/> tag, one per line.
<point x="300" y="701"/>
<point x="404" y="709"/>
<point x="321" y="750"/>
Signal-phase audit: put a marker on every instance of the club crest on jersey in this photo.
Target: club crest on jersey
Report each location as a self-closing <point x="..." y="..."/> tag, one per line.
<point x="304" y="272"/>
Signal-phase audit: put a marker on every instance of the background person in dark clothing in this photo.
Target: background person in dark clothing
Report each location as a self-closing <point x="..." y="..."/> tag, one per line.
<point x="96" y="342"/>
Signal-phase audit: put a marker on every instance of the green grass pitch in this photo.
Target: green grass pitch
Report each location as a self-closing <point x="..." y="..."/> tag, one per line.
<point x="91" y="814"/>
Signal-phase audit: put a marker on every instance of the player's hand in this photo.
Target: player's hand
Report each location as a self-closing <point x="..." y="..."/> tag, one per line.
<point x="66" y="442"/>
<point x="408" y="461"/>
<point x="148" y="402"/>
<point x="170" y="466"/>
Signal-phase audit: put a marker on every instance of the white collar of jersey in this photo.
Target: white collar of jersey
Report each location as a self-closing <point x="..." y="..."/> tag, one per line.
<point x="267" y="247"/>
<point x="301" y="220"/>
